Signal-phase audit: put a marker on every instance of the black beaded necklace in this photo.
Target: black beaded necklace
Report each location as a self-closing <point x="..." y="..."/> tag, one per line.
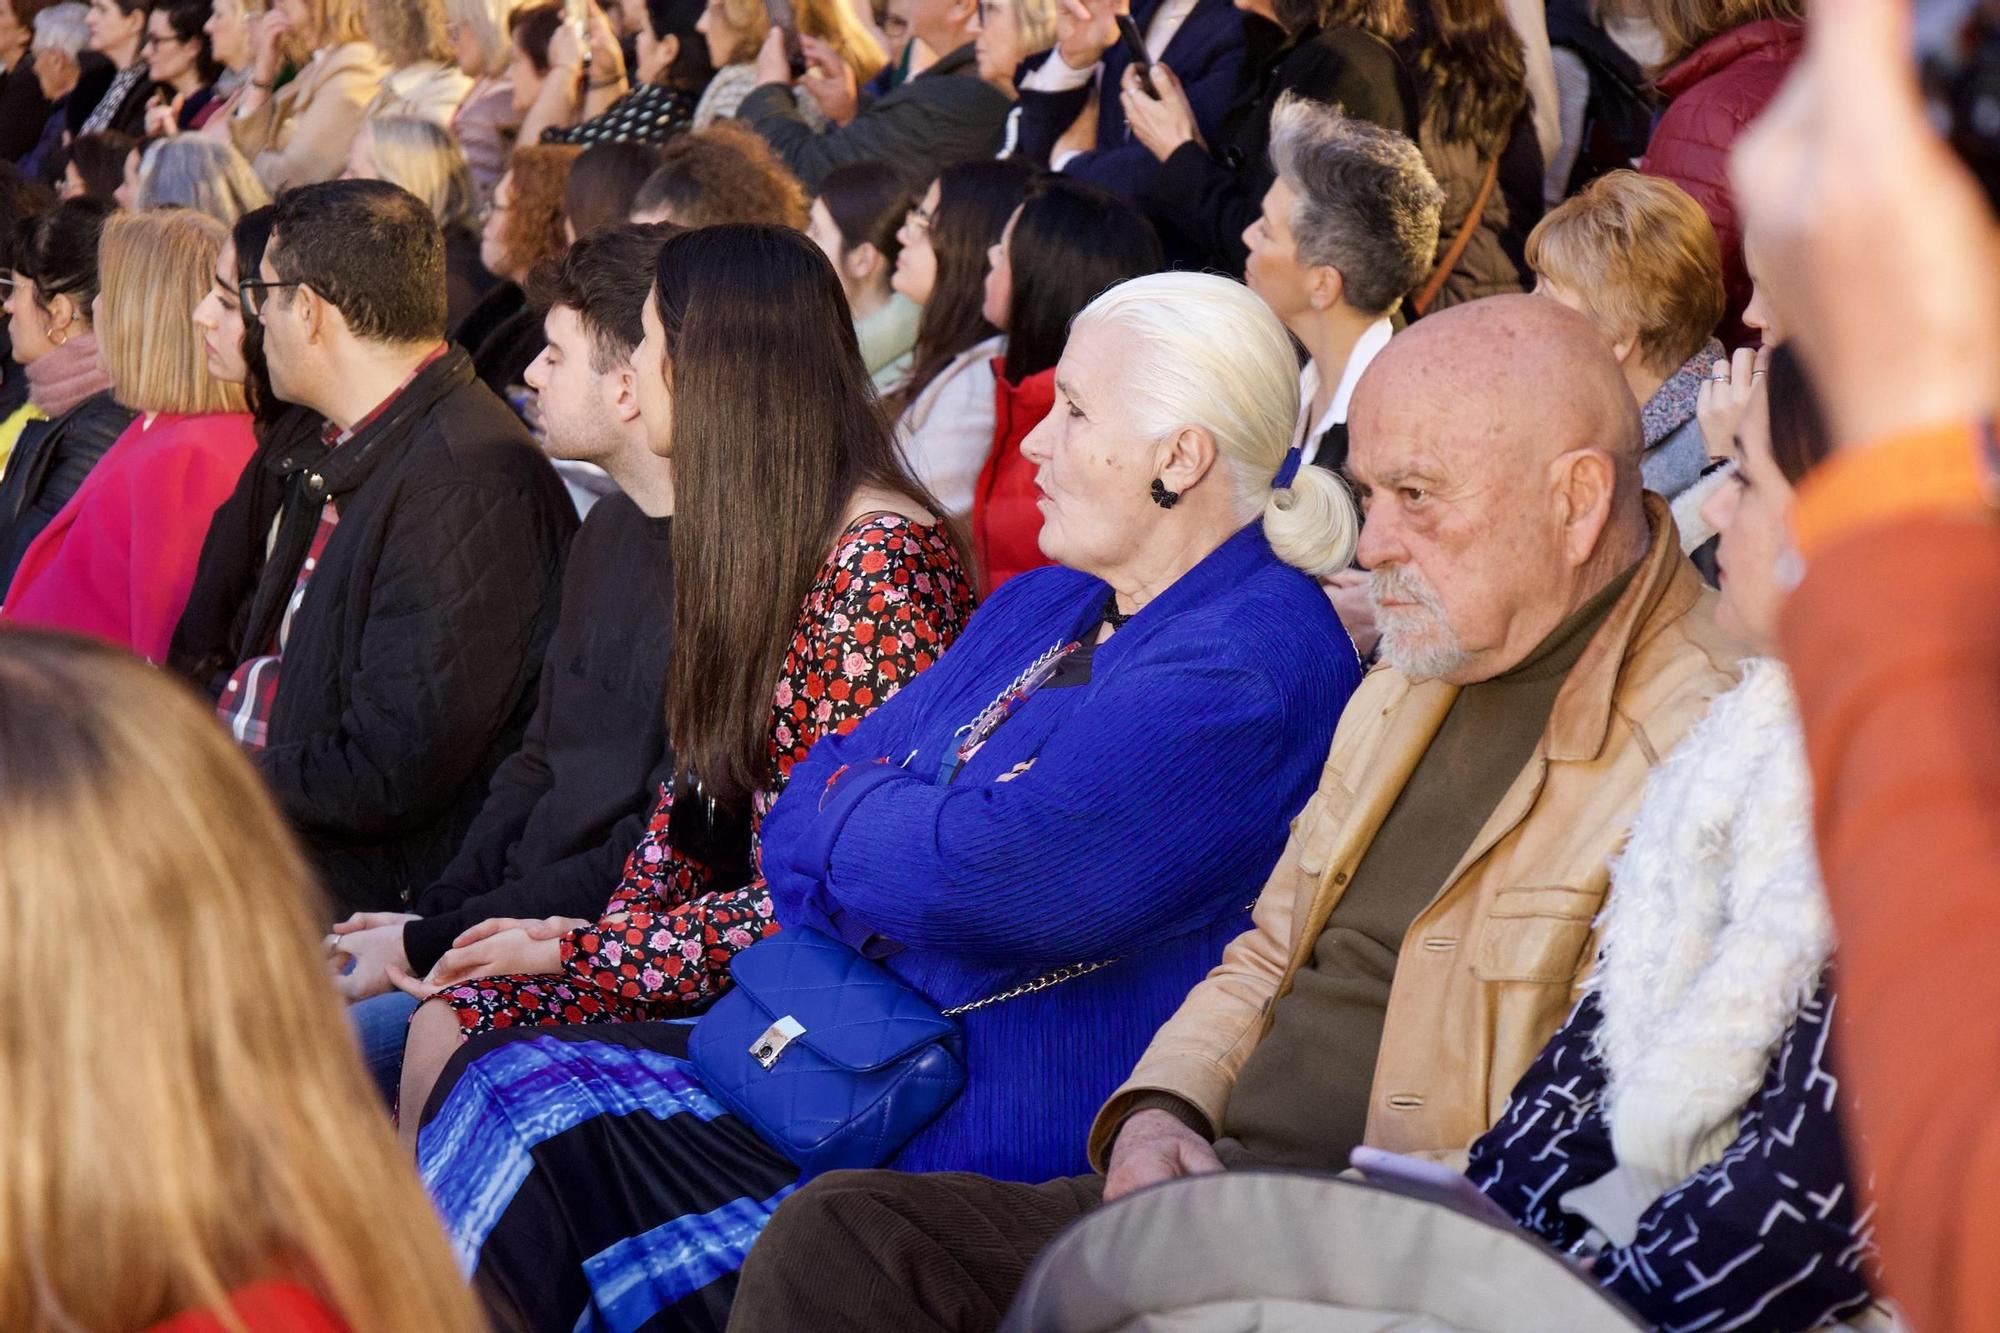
<point x="1113" y="616"/>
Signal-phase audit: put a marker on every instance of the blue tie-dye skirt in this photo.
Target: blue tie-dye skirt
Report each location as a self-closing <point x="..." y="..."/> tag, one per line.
<point x="588" y="1181"/>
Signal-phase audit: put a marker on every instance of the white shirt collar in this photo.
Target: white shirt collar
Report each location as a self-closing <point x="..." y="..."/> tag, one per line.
<point x="1366" y="348"/>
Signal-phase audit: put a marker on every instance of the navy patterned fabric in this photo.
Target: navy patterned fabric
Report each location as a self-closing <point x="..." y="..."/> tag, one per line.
<point x="1768" y="1237"/>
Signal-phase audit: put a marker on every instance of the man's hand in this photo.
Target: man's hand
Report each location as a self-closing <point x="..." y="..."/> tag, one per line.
<point x="773" y="64"/>
<point x="363" y="948"/>
<point x="1873" y="240"/>
<point x="1085" y="31"/>
<point x="1153" y="1146"/>
<point x="829" y="80"/>
<point x="1161" y="123"/>
<point x="1348" y="590"/>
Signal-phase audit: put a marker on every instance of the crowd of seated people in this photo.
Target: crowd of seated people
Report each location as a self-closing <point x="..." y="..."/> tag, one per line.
<point x="858" y="650"/>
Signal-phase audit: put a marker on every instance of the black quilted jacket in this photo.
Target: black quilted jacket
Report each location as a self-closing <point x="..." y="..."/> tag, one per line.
<point x="410" y="669"/>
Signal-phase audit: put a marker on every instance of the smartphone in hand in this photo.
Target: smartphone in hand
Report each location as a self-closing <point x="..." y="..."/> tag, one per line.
<point x="1428" y="1181"/>
<point x="1135" y="49"/>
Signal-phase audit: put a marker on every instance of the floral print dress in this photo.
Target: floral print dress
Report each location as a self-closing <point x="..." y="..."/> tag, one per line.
<point x="890" y="598"/>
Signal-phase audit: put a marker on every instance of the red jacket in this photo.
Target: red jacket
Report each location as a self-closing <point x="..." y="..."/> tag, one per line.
<point x="1006" y="522"/>
<point x="118" y="560"/>
<point x="265" y="1307"/>
<point x="1714" y="94"/>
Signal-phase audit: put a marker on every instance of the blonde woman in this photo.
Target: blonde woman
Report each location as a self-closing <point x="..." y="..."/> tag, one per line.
<point x="426" y="161"/>
<point x="213" y="1153"/>
<point x="486" y="119"/>
<point x="232" y="38"/>
<point x="1009" y="32"/>
<point x="117" y="560"/>
<point x="424" y="78"/>
<point x="736" y="29"/>
<point x="300" y="134"/>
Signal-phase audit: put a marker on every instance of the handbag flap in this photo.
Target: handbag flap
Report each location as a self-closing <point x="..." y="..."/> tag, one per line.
<point x="852" y="1011"/>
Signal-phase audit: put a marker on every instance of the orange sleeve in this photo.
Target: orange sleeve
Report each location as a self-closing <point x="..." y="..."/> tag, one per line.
<point x="1894" y="642"/>
<point x="1936" y="470"/>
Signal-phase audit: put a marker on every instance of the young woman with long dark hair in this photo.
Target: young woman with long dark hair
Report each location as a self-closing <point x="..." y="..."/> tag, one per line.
<point x="207" y="644"/>
<point x="1068" y="243"/>
<point x="813" y="577"/>
<point x="855" y="221"/>
<point x="945" y="408"/>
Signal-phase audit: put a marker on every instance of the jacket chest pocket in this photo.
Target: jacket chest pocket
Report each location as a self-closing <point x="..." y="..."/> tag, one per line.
<point x="1535" y="933"/>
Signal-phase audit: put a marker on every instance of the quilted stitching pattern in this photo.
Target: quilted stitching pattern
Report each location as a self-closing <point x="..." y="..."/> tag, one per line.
<point x="876" y="1064"/>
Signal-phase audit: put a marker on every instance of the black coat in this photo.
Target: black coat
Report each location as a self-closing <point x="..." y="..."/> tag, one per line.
<point x="410" y="668"/>
<point x="1202" y="201"/>
<point x="504" y="335"/>
<point x="49" y="463"/>
<point x="569" y="806"/>
<point x="209" y="638"/>
<point x="23" y="110"/>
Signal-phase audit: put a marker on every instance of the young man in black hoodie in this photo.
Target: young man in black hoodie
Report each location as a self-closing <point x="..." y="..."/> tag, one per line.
<point x="568" y="806"/>
<point x="387" y="659"/>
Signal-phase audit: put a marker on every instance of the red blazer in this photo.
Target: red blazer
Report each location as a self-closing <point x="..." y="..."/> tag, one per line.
<point x="118" y="560"/>
<point x="1714" y="94"/>
<point x="265" y="1307"/>
<point x="1006" y="524"/>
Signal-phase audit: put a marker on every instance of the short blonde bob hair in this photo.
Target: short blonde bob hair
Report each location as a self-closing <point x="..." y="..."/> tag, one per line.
<point x="201" y="1127"/>
<point x="426" y="160"/>
<point x="153" y="269"/>
<point x="1203" y="350"/>
<point x="1036" y="20"/>
<point x="487" y="21"/>
<point x="1642" y="261"/>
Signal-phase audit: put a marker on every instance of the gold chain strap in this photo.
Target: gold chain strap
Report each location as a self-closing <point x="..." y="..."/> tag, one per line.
<point x="1041" y="983"/>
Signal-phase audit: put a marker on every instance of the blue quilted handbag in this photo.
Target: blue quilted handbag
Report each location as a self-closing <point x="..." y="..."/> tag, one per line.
<point x="833" y="1061"/>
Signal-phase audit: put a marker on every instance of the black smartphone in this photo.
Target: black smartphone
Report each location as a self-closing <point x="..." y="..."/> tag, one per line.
<point x="782" y="18"/>
<point x="1135" y="50"/>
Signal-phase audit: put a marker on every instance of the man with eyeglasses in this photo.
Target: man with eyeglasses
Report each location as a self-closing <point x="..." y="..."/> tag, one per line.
<point x="408" y="586"/>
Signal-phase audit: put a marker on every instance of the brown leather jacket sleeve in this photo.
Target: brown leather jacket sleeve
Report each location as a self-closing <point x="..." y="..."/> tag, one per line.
<point x="1894" y="644"/>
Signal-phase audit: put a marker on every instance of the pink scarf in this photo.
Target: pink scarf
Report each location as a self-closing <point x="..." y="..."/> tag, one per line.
<point x="64" y="376"/>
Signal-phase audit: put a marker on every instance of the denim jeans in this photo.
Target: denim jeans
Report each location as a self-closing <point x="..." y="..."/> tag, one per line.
<point x="381" y="1022"/>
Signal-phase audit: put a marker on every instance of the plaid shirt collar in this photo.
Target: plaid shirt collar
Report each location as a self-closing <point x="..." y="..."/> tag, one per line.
<point x="333" y="437"/>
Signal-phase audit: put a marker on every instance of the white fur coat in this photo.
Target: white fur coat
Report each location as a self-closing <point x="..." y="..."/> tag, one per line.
<point x="1715" y="934"/>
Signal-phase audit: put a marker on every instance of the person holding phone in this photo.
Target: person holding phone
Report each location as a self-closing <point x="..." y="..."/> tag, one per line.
<point x="944" y="115"/>
<point x="1209" y="184"/>
<point x="1076" y="87"/>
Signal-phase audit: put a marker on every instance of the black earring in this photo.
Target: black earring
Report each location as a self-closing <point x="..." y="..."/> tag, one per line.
<point x="1163" y="497"/>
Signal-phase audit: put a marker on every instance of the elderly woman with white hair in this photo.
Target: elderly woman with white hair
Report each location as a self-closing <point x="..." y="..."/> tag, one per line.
<point x="988" y="845"/>
<point x="197" y="172"/>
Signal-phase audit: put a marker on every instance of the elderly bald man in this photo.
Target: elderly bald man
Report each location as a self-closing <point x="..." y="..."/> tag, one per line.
<point x="1543" y="645"/>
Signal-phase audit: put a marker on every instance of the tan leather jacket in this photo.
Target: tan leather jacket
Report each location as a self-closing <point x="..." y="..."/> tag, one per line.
<point x="1490" y="968"/>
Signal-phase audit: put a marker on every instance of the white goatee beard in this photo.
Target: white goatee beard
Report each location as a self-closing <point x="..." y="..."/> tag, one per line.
<point x="1417" y="638"/>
